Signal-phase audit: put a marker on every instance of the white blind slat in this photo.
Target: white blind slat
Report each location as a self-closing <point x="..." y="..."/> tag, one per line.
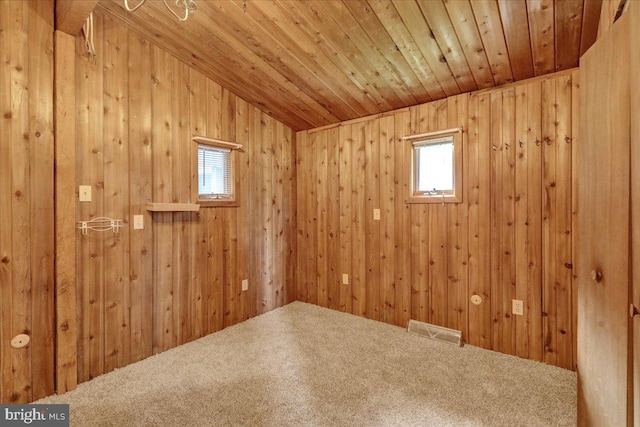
<point x="214" y="172"/>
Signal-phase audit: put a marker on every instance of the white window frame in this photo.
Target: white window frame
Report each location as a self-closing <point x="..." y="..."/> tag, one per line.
<point x="226" y="200"/>
<point x="413" y="143"/>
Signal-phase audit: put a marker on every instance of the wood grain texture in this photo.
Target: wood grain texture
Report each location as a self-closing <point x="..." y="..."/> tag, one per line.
<point x="71" y="15"/>
<point x="494" y="244"/>
<point x="27" y="220"/>
<point x="65" y="177"/>
<point x="634" y="68"/>
<point x="603" y="319"/>
<point x="310" y="64"/>
<point x="144" y="291"/>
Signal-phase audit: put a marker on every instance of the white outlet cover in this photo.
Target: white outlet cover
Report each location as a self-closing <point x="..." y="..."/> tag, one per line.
<point x="476" y="299"/>
<point x="20" y="341"/>
<point x="84" y="193"/>
<point x="138" y="222"/>
<point x="245" y="285"/>
<point x="517" y="307"/>
<point x="376" y="214"/>
<point x="345" y="279"/>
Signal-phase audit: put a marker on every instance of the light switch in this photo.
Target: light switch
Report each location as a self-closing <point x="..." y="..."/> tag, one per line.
<point x="376" y="214"/>
<point x="245" y="285"/>
<point x="345" y="279"/>
<point x="84" y="193"/>
<point x="138" y="222"/>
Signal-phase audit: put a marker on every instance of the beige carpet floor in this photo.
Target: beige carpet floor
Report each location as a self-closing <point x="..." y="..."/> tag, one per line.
<point x="306" y="365"/>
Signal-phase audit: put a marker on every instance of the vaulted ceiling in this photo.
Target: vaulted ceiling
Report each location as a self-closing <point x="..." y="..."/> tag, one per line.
<point x="313" y="63"/>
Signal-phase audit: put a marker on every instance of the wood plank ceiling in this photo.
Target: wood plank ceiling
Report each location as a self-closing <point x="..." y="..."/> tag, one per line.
<point x="313" y="63"/>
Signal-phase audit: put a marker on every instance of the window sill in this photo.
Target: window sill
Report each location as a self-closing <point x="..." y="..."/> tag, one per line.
<point x="218" y="203"/>
<point x="433" y="199"/>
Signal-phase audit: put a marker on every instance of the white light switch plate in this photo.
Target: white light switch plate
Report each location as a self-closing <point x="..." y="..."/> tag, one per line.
<point x="245" y="285"/>
<point x="376" y="214"/>
<point x="84" y="193"/>
<point x="345" y="279"/>
<point x="138" y="222"/>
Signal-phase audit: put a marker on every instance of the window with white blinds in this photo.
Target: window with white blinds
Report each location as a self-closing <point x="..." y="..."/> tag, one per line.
<point x="214" y="173"/>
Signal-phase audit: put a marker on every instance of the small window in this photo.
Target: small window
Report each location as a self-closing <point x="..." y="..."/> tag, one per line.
<point x="214" y="173"/>
<point x="214" y="177"/>
<point x="436" y="167"/>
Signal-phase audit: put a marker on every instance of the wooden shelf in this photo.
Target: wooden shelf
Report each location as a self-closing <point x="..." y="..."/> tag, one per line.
<point x="173" y="207"/>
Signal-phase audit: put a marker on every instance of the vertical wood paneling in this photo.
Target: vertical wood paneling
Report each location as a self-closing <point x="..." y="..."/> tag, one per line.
<point x="179" y="278"/>
<point x="549" y="236"/>
<point x="244" y="213"/>
<point x="388" y="299"/>
<point x="140" y="191"/>
<point x="534" y="218"/>
<point x="334" y="277"/>
<point x="90" y="171"/>
<point x="508" y="255"/>
<point x="562" y="255"/>
<point x="358" y="237"/>
<point x="26" y="200"/>
<point x="302" y="142"/>
<point x="419" y="235"/>
<point x="20" y="297"/>
<point x="41" y="166"/>
<point x="162" y="157"/>
<point x="322" y="194"/>
<point x="438" y="224"/>
<point x="372" y="285"/>
<point x="215" y="241"/>
<point x="345" y="143"/>
<point x="458" y="257"/>
<point x="521" y="221"/>
<point x="575" y="120"/>
<point x="478" y="191"/>
<point x="197" y="292"/>
<point x="116" y="188"/>
<point x="66" y="366"/>
<point x="497" y="270"/>
<point x="510" y="238"/>
<point x="404" y="275"/>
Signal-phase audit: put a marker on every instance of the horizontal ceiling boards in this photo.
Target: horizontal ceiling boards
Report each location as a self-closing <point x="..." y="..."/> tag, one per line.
<point x="314" y="63"/>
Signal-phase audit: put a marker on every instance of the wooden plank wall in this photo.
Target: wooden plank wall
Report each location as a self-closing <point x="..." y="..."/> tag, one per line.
<point x="608" y="13"/>
<point x="26" y="199"/>
<point x="144" y="291"/>
<point x="511" y="238"/>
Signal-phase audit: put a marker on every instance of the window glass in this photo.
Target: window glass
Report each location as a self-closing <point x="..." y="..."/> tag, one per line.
<point x="214" y="173"/>
<point x="434" y="166"/>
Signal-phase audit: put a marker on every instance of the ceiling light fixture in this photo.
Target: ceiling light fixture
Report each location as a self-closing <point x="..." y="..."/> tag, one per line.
<point x="188" y="6"/>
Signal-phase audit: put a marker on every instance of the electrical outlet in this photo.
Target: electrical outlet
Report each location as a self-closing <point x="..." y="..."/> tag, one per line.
<point x="345" y="279"/>
<point x="138" y="222"/>
<point x="84" y="193"/>
<point x="517" y="307"/>
<point x="245" y="285"/>
<point x="376" y="214"/>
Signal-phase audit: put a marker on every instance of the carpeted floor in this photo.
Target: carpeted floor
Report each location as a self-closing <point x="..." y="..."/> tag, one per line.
<point x="306" y="365"/>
